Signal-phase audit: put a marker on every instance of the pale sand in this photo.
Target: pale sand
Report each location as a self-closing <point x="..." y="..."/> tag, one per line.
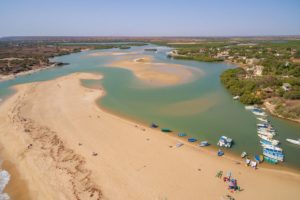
<point x="160" y="74"/>
<point x="133" y="162"/>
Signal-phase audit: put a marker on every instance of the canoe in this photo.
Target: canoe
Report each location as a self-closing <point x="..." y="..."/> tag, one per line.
<point x="220" y="153"/>
<point x="166" y="130"/>
<point x="192" y="139"/>
<point x="153" y="125"/>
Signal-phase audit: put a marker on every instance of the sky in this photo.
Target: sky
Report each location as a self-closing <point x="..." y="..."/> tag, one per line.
<point x="149" y="17"/>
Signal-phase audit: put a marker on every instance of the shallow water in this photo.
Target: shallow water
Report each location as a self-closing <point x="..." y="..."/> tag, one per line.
<point x="201" y="108"/>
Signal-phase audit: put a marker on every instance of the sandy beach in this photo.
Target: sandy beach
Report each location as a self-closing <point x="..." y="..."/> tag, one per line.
<point x="61" y="145"/>
<point x="157" y="73"/>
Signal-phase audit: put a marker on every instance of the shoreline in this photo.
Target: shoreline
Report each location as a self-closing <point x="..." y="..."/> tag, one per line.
<point x="211" y="149"/>
<point x="127" y="160"/>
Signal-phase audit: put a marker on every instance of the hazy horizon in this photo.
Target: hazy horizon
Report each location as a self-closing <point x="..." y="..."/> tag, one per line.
<point x="150" y="19"/>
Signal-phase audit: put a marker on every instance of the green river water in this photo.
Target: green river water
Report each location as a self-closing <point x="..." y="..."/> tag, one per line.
<point x="202" y="108"/>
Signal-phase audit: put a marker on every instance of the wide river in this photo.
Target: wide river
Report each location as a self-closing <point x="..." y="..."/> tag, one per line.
<point x="202" y="108"/>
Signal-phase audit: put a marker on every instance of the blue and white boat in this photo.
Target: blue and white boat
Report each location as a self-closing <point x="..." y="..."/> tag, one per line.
<point x="225" y="142"/>
<point x="192" y="139"/>
<point x="259" y="112"/>
<point x="181" y="134"/>
<point x="274" y="154"/>
<point x="270" y="140"/>
<point x="203" y="144"/>
<point x="272" y="147"/>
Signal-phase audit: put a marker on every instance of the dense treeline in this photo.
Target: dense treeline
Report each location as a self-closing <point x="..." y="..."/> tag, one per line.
<point x="237" y="86"/>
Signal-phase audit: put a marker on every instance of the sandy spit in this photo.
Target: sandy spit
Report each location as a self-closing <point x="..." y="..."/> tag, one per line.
<point x="63" y="146"/>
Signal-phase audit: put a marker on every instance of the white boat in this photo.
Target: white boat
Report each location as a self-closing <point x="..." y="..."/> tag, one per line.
<point x="259" y="112"/>
<point x="263" y="119"/>
<point x="244" y="154"/>
<point x="268" y="146"/>
<point x="269" y="135"/>
<point x="293" y="141"/>
<point x="236" y="97"/>
<point x="225" y="142"/>
<point x="272" y="141"/>
<point x="250" y="107"/>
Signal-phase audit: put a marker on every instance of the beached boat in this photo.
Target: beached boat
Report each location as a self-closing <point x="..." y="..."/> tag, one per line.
<point x="153" y="125"/>
<point x="181" y="134"/>
<point x="274" y="154"/>
<point x="265" y="138"/>
<point x="271" y="130"/>
<point x="179" y="144"/>
<point x="244" y="154"/>
<point x="204" y="144"/>
<point x="220" y="152"/>
<point x="192" y="139"/>
<point x="259" y="158"/>
<point x="166" y="130"/>
<point x="236" y="97"/>
<point x="225" y="142"/>
<point x="293" y="141"/>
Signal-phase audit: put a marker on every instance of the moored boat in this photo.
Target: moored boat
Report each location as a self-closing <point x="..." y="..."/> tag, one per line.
<point x="272" y="141"/>
<point x="270" y="160"/>
<point x="225" y="142"/>
<point x="293" y="141"/>
<point x="192" y="139"/>
<point x="250" y="107"/>
<point x="204" y="144"/>
<point x="273" y="154"/>
<point x="220" y="152"/>
<point x="268" y="146"/>
<point x="166" y="130"/>
<point x="181" y="134"/>
<point x="262" y="119"/>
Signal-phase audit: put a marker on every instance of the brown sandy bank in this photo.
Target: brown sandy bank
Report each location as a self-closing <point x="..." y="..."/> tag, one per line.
<point x="160" y="74"/>
<point x="65" y="147"/>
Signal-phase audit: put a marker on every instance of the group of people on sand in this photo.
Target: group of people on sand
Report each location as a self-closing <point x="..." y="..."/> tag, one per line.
<point x="232" y="182"/>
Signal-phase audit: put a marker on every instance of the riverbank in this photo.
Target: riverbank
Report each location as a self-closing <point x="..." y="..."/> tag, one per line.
<point x="65" y="147"/>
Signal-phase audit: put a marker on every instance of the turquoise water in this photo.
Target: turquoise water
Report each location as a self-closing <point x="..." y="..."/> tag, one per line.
<point x="202" y="108"/>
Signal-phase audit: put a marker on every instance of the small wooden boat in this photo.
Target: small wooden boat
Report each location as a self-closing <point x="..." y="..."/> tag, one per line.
<point x="181" y="134"/>
<point x="220" y="152"/>
<point x="259" y="158"/>
<point x="153" y="125"/>
<point x="204" y="144"/>
<point x="179" y="144"/>
<point x="166" y="130"/>
<point x="192" y="139"/>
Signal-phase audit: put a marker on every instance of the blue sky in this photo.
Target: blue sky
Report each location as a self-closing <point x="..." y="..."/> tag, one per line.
<point x="149" y="17"/>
